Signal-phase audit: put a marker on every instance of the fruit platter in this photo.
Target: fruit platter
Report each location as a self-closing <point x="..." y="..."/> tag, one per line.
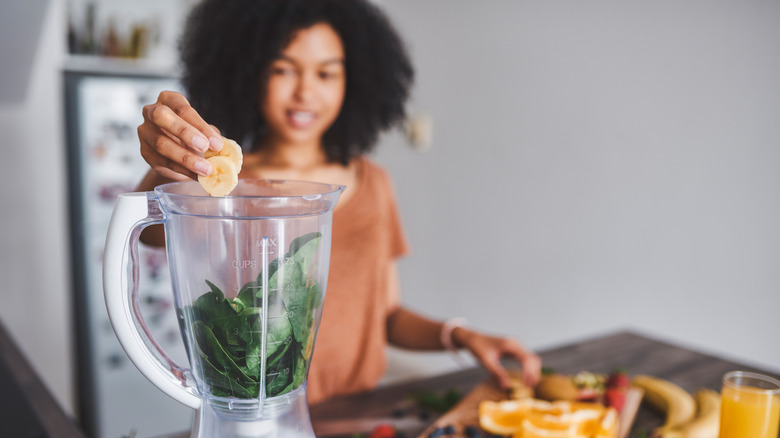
<point x="582" y="405"/>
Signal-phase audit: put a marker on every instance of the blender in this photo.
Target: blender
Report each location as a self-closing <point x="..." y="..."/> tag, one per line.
<point x="249" y="274"/>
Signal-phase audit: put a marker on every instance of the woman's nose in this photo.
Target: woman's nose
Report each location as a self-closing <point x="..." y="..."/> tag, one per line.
<point x="305" y="87"/>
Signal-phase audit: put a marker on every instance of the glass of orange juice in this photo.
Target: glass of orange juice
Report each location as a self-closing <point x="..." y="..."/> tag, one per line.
<point x="750" y="405"/>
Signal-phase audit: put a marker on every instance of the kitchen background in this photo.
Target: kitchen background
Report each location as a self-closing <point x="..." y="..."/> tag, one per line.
<point x="590" y="167"/>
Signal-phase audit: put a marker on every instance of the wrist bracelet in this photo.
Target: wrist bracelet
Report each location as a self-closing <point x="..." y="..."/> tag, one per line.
<point x="446" y="332"/>
<point x="446" y="340"/>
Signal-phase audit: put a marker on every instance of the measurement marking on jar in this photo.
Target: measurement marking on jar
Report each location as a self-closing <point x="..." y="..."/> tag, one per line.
<point x="267" y="245"/>
<point x="244" y="264"/>
<point x="283" y="372"/>
<point x="287" y="261"/>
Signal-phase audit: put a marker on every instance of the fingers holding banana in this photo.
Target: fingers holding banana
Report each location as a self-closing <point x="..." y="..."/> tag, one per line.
<point x="173" y="137"/>
<point x="179" y="144"/>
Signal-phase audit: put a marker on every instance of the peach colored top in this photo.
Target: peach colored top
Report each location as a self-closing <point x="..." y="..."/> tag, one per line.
<point x="349" y="355"/>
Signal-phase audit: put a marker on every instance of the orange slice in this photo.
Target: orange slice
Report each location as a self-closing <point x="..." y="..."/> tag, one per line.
<point x="551" y="408"/>
<point x="551" y="422"/>
<point x="502" y="418"/>
<point x="608" y="427"/>
<point x="533" y="428"/>
<point x="587" y="417"/>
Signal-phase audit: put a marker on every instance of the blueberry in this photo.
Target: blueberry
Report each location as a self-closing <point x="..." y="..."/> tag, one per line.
<point x="449" y="430"/>
<point x="436" y="433"/>
<point x="472" y="432"/>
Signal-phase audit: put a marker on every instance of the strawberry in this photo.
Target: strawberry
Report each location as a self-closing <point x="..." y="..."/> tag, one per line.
<point x="618" y="379"/>
<point x="615" y="397"/>
<point x="383" y="431"/>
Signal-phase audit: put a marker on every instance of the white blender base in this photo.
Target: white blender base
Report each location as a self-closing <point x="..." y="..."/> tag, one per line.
<point x="283" y="417"/>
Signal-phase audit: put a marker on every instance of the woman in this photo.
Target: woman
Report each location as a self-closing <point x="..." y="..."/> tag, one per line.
<point x="306" y="86"/>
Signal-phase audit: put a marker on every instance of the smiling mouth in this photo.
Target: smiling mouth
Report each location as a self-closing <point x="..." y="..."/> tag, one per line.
<point x="301" y="118"/>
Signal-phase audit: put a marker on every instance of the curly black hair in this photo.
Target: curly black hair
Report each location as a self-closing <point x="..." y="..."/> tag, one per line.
<point x="228" y="46"/>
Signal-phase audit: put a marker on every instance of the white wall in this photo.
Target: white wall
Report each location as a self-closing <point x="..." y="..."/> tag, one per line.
<point x="596" y="166"/>
<point x="35" y="297"/>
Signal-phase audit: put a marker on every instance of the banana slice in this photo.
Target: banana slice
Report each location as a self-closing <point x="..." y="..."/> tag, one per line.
<point x="230" y="149"/>
<point x="223" y="178"/>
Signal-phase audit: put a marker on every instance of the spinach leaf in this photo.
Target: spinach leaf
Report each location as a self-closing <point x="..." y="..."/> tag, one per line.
<point x="253" y="352"/>
<point x="248" y="295"/>
<point x="298" y="242"/>
<point x="438" y="402"/>
<point x="279" y="335"/>
<point x="300" y="298"/>
<point x="220" y="370"/>
<point x="299" y="374"/>
<point x="278" y="368"/>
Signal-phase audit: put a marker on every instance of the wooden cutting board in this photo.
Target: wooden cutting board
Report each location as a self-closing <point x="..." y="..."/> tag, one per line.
<point x="465" y="413"/>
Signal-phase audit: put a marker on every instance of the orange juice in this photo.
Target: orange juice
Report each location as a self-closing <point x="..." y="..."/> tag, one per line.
<point x="748" y="411"/>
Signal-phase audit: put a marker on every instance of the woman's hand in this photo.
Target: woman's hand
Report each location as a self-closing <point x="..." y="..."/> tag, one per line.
<point x="490" y="349"/>
<point x="173" y="138"/>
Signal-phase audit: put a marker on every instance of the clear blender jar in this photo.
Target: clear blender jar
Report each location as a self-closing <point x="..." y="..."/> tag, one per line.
<point x="249" y="275"/>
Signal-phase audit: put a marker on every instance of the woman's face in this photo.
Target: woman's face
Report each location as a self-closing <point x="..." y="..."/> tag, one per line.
<point x="306" y="86"/>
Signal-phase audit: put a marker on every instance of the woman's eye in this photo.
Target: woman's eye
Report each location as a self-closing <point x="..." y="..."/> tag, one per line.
<point x="282" y="71"/>
<point x="328" y="74"/>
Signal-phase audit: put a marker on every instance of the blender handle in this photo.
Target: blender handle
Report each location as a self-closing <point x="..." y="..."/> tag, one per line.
<point x="132" y="213"/>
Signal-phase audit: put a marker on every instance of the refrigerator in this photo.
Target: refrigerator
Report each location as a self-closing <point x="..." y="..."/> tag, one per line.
<point x="103" y="111"/>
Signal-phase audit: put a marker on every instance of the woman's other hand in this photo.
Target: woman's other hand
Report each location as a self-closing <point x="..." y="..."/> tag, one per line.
<point x="489" y="350"/>
<point x="173" y="138"/>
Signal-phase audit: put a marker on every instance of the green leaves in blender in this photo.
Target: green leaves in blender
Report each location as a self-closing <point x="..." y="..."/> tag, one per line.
<point x="228" y="332"/>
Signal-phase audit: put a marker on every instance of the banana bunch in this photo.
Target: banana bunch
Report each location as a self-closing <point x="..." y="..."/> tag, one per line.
<point x="686" y="416"/>
<point x="226" y="164"/>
